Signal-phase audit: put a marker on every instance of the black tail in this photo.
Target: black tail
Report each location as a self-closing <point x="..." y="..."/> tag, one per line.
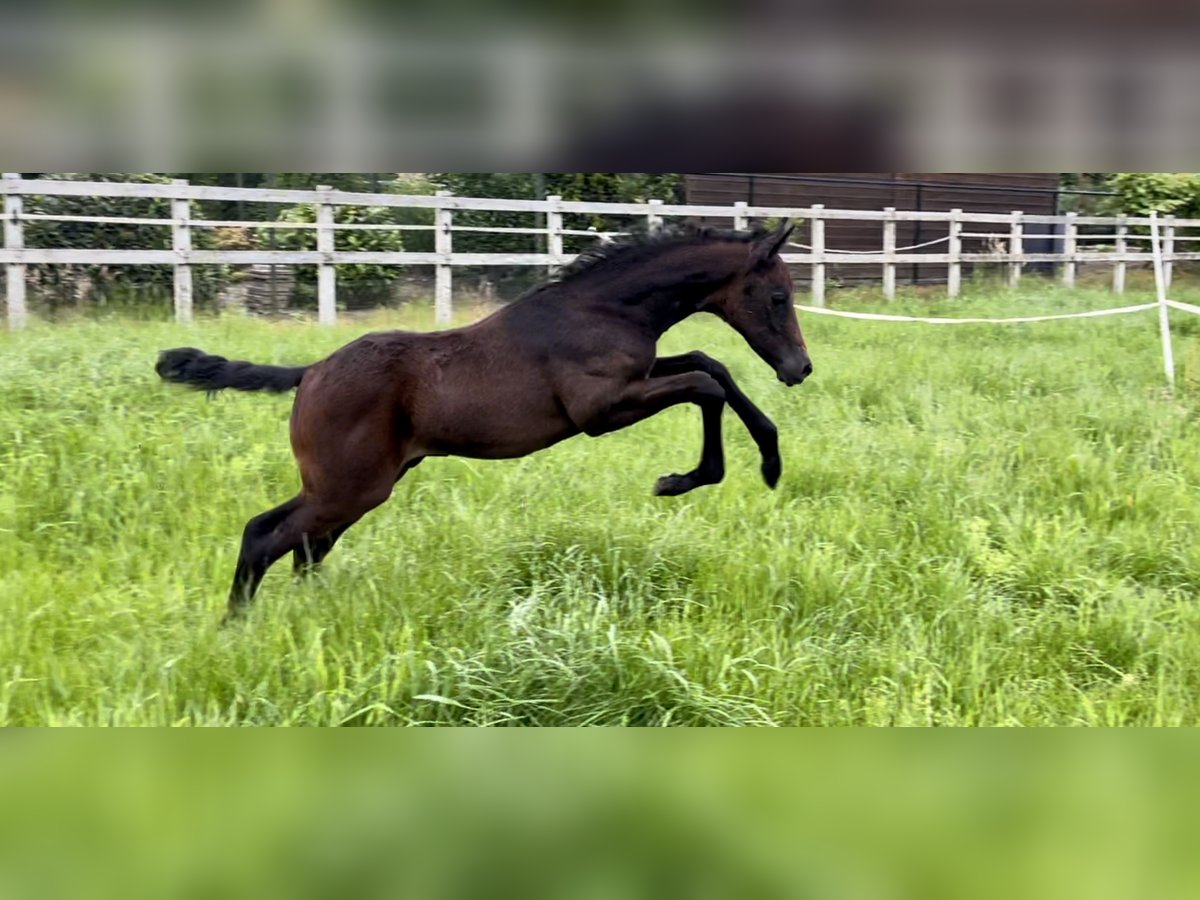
<point x="187" y="365"/>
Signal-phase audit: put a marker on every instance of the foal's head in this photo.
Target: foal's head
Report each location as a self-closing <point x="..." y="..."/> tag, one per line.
<point x="758" y="303"/>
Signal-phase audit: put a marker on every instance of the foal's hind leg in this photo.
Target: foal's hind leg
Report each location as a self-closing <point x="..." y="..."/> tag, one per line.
<point x="285" y="529"/>
<point x="313" y="549"/>
<point x="265" y="539"/>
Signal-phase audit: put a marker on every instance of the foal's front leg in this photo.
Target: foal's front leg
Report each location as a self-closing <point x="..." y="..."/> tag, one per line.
<point x="711" y="468"/>
<point x="760" y="427"/>
<point x="643" y="399"/>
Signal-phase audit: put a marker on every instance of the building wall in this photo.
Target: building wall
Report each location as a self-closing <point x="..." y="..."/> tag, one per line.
<point x="999" y="192"/>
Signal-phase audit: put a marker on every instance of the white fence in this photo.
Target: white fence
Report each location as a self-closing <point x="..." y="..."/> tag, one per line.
<point x="1005" y="234"/>
<point x="1162" y="303"/>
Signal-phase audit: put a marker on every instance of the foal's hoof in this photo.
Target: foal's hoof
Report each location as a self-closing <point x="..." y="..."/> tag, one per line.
<point x="233" y="616"/>
<point x="772" y="468"/>
<point x="674" y="485"/>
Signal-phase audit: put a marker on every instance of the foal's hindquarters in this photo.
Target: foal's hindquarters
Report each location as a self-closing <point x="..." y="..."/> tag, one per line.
<point x="351" y="443"/>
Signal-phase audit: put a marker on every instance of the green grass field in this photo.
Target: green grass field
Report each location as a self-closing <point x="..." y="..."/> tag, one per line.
<point x="976" y="525"/>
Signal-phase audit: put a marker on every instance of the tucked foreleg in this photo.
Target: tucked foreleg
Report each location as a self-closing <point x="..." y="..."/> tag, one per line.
<point x="762" y="430"/>
<point x="642" y="399"/>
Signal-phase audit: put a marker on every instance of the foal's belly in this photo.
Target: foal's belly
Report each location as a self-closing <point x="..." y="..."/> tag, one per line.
<point x="490" y="423"/>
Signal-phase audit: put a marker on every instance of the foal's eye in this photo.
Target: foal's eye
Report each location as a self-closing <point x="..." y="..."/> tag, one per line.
<point x="779" y="297"/>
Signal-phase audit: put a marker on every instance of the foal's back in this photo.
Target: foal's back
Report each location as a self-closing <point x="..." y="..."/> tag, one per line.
<point x="486" y="390"/>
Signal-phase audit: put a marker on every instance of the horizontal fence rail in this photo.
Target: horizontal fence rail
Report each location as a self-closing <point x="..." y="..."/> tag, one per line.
<point x="1006" y="241"/>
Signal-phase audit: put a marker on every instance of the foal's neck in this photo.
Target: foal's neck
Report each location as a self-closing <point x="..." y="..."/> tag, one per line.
<point x="664" y="291"/>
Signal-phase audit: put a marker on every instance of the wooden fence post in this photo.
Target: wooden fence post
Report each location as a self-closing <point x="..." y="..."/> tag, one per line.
<point x="889" y="253"/>
<point x="1069" y="242"/>
<point x="443" y="245"/>
<point x="14" y="239"/>
<point x="654" y="221"/>
<point x="1164" y="319"/>
<point x="1122" y="248"/>
<point x="740" y="220"/>
<point x="1168" y="250"/>
<point x="1016" y="248"/>
<point x="326" y="270"/>
<point x="954" y="247"/>
<point x="818" y="255"/>
<point x="181" y="243"/>
<point x="554" y="237"/>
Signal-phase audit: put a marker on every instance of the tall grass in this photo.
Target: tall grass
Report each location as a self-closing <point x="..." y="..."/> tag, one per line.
<point x="975" y="525"/>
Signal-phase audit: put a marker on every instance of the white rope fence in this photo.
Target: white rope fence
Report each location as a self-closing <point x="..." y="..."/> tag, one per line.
<point x="1162" y="304"/>
<point x="1184" y="307"/>
<point x="938" y="320"/>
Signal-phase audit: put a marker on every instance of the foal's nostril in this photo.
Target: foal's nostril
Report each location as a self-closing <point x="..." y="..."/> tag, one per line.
<point x="792" y="374"/>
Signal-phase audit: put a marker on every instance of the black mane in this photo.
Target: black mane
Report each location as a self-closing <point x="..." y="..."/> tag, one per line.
<point x="641" y="246"/>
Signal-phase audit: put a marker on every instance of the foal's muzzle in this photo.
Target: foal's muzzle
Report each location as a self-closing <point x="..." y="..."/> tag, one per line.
<point x="793" y="373"/>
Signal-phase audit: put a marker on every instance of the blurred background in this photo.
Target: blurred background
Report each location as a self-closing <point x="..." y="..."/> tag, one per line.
<point x="764" y="86"/>
<point x="594" y="814"/>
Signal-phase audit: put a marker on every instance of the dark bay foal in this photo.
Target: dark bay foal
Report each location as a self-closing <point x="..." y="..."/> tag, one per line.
<point x="574" y="356"/>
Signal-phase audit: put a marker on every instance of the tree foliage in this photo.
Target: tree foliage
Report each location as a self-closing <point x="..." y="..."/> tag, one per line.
<point x="373" y="241"/>
<point x="352" y="240"/>
<point x="1083" y="193"/>
<point x="1140" y="193"/>
<point x="75" y="283"/>
<point x="609" y="187"/>
<point x="292" y="181"/>
<point x="65" y="284"/>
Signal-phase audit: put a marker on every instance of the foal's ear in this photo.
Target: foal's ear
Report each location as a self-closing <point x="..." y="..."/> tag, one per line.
<point x="765" y="248"/>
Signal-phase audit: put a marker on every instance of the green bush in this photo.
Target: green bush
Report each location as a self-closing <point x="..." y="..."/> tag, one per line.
<point x="603" y="187"/>
<point x="1140" y="193"/>
<point x="60" y="284"/>
<point x="345" y="240"/>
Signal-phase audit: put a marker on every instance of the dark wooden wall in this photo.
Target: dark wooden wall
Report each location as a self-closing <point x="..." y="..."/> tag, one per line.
<point x="999" y="192"/>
